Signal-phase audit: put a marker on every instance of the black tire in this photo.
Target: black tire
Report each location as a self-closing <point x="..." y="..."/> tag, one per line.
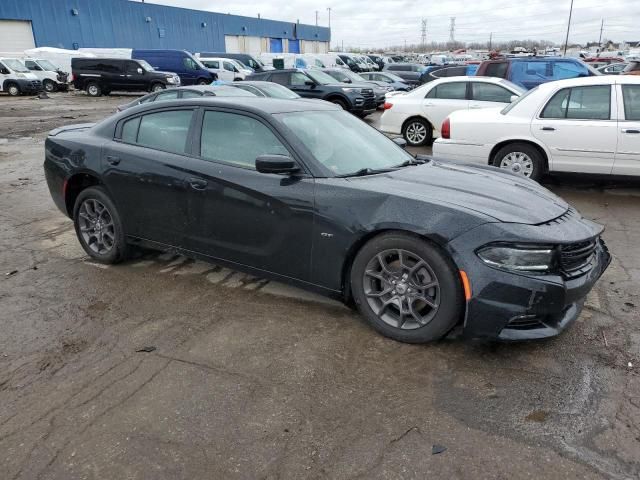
<point x="157" y="87"/>
<point x="203" y="81"/>
<point x="340" y="102"/>
<point x="417" y="132"/>
<point x="535" y="160"/>
<point x="93" y="89"/>
<point x="13" y="89"/>
<point x="118" y="250"/>
<point x="49" y="85"/>
<point x="447" y="295"/>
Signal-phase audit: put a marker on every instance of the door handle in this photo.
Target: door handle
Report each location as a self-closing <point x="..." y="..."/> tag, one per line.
<point x="197" y="183"/>
<point x="548" y="129"/>
<point x="475" y="106"/>
<point x="113" y="160"/>
<point x="630" y="130"/>
<point x="429" y="104"/>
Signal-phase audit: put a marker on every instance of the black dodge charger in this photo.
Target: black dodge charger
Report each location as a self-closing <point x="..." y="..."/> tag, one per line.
<point x="307" y="194"/>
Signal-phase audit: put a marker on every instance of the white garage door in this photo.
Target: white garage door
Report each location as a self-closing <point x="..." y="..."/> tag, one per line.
<point x="16" y="36"/>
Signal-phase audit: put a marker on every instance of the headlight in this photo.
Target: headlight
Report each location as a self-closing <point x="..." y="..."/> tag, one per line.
<point x="352" y="90"/>
<point x="171" y="80"/>
<point x="518" y="258"/>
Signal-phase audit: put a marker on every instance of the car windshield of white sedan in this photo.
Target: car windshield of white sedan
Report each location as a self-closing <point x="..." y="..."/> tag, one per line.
<point x="343" y="143"/>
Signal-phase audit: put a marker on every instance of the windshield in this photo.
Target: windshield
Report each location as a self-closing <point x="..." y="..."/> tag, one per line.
<point x="343" y="143"/>
<point x="508" y="108"/>
<point x="353" y="76"/>
<point x="255" y="63"/>
<point x="513" y="86"/>
<point x="15" y="65"/>
<point x="321" y="77"/>
<point x="393" y="77"/>
<point x="47" y="65"/>
<point x="274" y="90"/>
<point x="145" y="65"/>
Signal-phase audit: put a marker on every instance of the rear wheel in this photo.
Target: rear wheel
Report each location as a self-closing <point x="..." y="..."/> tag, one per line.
<point x="521" y="159"/>
<point x="418" y="132"/>
<point x="406" y="288"/>
<point x="94" y="90"/>
<point x="98" y="226"/>
<point x="49" y="85"/>
<point x="13" y="89"/>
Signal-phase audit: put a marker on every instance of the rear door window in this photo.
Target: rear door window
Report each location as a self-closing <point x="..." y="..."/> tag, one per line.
<point x="281" y="78"/>
<point x="449" y="91"/>
<point x="190" y="94"/>
<point x="488" y="92"/>
<point x="497" y="70"/>
<point x="580" y="103"/>
<point x="237" y="139"/>
<point x="631" y="96"/>
<point x="167" y="131"/>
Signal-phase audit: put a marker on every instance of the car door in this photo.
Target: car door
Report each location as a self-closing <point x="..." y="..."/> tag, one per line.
<point x="240" y="215"/>
<point x="304" y="86"/>
<point x="578" y="126"/>
<point x="443" y="99"/>
<point x="134" y="78"/>
<point x="627" y="160"/>
<point x="488" y="95"/>
<point x="230" y="70"/>
<point x="223" y="74"/>
<point x="144" y="172"/>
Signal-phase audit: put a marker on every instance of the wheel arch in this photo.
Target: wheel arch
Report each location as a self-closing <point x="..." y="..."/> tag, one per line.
<point x="337" y="96"/>
<point x="418" y="117"/>
<point x="496" y="148"/>
<point x="9" y="82"/>
<point x="74" y="185"/>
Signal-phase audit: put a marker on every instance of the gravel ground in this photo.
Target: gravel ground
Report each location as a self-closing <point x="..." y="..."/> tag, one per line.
<point x="251" y="379"/>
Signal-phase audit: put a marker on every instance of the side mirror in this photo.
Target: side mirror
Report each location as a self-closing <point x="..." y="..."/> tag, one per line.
<point x="348" y="80"/>
<point x="513" y="98"/>
<point x="276" y="164"/>
<point x="310" y="83"/>
<point x="140" y="71"/>
<point x="4" y="71"/>
<point x="401" y="142"/>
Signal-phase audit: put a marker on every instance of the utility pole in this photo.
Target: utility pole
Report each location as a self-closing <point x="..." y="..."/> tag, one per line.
<point x="424" y="34"/>
<point x="329" y="10"/>
<point x="316" y="18"/>
<point x="600" y="39"/>
<point x="452" y="29"/>
<point x="490" y="40"/>
<point x="405" y="45"/>
<point x="566" y="41"/>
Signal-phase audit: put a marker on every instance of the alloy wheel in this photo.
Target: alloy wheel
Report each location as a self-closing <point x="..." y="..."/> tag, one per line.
<point x="157" y="87"/>
<point x="49" y="86"/>
<point x="402" y="289"/>
<point x="93" y="90"/>
<point x="96" y="226"/>
<point x="416" y="133"/>
<point x="13" y="90"/>
<point x="518" y="162"/>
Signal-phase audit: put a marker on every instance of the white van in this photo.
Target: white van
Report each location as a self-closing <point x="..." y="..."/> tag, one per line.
<point x="15" y="78"/>
<point x="331" y="60"/>
<point x="227" y="69"/>
<point x="53" y="79"/>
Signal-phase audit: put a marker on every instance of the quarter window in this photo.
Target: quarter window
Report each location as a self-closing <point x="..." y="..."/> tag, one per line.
<point x="190" y="94"/>
<point x="449" y="91"/>
<point x="581" y="103"/>
<point x="165" y="131"/>
<point x="280" y="78"/>
<point x="237" y="139"/>
<point x="488" y="92"/>
<point x="631" y="96"/>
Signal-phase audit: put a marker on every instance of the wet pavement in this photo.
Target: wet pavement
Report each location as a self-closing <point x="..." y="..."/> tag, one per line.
<point x="251" y="379"/>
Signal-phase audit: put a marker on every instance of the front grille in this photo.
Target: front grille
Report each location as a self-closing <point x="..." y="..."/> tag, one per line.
<point x="577" y="258"/>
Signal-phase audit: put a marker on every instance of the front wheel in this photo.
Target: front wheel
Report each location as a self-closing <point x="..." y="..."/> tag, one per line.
<point x="406" y="288"/>
<point x="49" y="86"/>
<point x="341" y="103"/>
<point x="202" y="81"/>
<point x="157" y="87"/>
<point x="13" y="90"/>
<point x="521" y="159"/>
<point x="418" y="132"/>
<point x="98" y="226"/>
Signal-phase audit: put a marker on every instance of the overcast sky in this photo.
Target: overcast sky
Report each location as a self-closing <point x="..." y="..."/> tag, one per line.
<point x="380" y="23"/>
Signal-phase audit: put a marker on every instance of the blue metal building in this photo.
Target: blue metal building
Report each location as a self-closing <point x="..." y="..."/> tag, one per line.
<point x="73" y="24"/>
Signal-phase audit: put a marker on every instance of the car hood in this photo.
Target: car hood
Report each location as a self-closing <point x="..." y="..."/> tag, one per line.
<point x="489" y="191"/>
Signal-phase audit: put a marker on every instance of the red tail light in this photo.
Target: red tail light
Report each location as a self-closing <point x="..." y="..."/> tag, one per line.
<point x="71" y="78"/>
<point x="387" y="105"/>
<point x="445" y="130"/>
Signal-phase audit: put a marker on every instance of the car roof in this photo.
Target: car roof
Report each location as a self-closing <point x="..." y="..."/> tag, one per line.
<point x="595" y="80"/>
<point x="251" y="104"/>
<point x="256" y="83"/>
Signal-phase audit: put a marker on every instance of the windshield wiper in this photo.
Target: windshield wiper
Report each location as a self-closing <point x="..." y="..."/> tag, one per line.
<point x="365" y="171"/>
<point x="412" y="161"/>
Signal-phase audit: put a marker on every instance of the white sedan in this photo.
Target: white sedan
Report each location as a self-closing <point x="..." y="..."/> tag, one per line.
<point x="587" y="125"/>
<point x="418" y="114"/>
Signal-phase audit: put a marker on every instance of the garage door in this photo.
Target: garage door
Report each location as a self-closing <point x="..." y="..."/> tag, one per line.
<point x="16" y="36"/>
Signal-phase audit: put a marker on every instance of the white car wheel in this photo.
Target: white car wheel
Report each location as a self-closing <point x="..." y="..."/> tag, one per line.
<point x="518" y="162"/>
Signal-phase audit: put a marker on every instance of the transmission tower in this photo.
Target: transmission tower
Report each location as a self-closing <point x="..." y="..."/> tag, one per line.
<point x="424" y="33"/>
<point x="452" y="30"/>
